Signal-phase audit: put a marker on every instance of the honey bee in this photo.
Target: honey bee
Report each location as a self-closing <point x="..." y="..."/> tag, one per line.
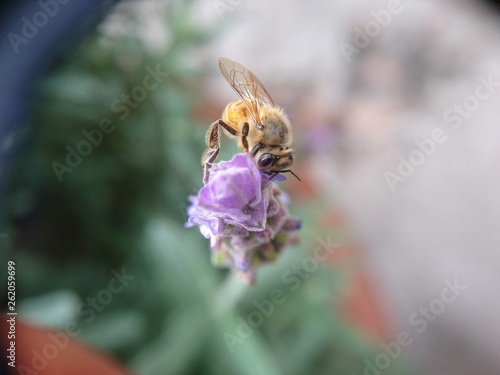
<point x="262" y="128"/>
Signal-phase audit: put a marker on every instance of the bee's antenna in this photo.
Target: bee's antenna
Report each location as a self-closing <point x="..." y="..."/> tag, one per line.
<point x="294" y="175"/>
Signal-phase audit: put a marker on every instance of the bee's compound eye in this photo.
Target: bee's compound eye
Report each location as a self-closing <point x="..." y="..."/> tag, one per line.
<point x="266" y="160"/>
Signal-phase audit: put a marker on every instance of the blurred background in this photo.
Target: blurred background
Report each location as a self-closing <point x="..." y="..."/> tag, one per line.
<point x="394" y="106"/>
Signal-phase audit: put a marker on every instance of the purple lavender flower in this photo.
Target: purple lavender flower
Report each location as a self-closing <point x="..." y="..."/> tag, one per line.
<point x="244" y="214"/>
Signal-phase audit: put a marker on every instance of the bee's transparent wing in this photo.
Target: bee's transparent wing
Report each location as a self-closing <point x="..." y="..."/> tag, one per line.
<point x="247" y="86"/>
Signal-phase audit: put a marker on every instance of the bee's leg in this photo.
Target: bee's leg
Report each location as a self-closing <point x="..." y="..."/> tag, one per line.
<point x="212" y="139"/>
<point x="213" y="143"/>
<point x="256" y="149"/>
<point x="244" y="134"/>
<point x="229" y="129"/>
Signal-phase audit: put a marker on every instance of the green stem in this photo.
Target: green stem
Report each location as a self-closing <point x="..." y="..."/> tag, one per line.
<point x="229" y="293"/>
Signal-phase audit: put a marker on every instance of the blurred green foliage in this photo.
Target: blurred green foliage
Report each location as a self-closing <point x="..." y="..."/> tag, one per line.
<point x="122" y="208"/>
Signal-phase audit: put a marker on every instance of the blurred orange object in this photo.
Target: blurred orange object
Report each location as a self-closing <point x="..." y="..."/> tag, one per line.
<point x="363" y="308"/>
<point x="38" y="353"/>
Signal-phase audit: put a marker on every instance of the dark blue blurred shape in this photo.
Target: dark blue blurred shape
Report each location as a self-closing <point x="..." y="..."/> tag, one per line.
<point x="35" y="36"/>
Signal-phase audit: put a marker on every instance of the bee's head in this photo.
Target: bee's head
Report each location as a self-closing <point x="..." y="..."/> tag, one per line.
<point x="274" y="161"/>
